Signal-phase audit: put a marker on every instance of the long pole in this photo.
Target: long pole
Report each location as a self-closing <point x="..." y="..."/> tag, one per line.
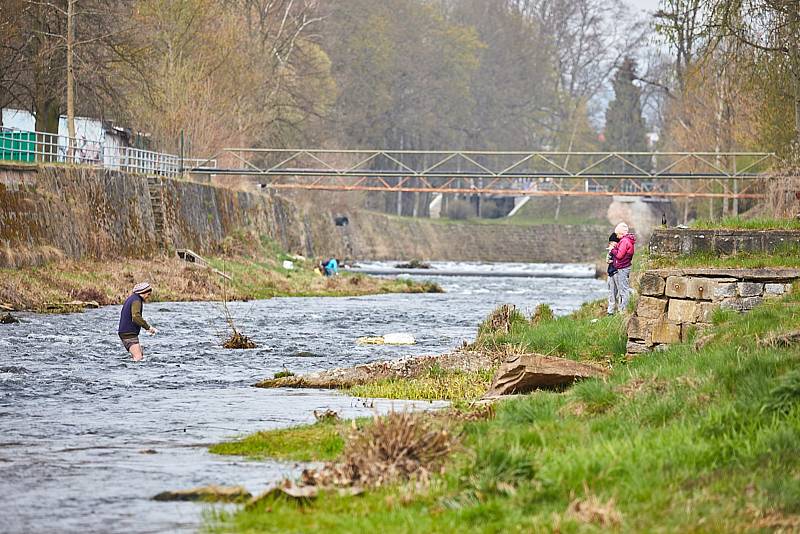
<point x="70" y="76"/>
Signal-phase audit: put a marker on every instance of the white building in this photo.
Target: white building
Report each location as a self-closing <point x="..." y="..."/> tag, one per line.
<point x="95" y="139"/>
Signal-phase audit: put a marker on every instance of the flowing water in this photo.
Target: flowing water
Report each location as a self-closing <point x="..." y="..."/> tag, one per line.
<point x="87" y="436"/>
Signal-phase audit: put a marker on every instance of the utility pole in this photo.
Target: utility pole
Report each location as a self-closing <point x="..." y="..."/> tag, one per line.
<point x="70" y="76"/>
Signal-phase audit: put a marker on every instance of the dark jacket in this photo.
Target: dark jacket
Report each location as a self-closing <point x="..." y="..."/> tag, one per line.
<point x="130" y="319"/>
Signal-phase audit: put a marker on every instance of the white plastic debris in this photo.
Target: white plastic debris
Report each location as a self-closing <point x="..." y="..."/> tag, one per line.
<point x="388" y="339"/>
<point x="288" y="265"/>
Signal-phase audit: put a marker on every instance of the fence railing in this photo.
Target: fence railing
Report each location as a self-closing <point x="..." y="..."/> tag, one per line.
<point x="32" y="147"/>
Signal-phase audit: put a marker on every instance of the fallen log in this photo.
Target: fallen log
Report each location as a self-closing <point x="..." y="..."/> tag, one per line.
<point x="522" y="373"/>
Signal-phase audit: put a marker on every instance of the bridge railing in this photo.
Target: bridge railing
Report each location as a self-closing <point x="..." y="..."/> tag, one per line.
<point x="519" y="172"/>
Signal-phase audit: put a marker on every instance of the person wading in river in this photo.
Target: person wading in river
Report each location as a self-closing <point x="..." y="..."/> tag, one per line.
<point x="131" y="321"/>
<point x="622" y="255"/>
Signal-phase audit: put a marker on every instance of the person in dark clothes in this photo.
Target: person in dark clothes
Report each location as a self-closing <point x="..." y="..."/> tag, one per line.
<point x="131" y="321"/>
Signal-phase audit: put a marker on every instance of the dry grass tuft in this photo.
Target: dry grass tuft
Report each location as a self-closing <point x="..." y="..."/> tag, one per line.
<point x="399" y="446"/>
<point x="591" y="510"/>
<point x="91" y="293"/>
<point x="499" y="321"/>
<point x="541" y="314"/>
<point x="638" y="386"/>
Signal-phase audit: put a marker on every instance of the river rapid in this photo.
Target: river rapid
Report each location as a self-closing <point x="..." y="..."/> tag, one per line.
<point x="87" y="436"/>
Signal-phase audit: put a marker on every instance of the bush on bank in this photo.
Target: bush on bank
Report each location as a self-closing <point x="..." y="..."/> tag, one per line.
<point x="678" y="440"/>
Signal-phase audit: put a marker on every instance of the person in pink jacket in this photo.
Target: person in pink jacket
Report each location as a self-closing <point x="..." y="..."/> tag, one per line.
<point x="622" y="257"/>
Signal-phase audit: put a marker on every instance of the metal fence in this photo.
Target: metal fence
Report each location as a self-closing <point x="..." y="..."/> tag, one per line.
<point x="41" y="147"/>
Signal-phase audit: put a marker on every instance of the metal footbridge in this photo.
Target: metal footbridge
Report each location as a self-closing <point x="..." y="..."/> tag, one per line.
<point x="515" y="173"/>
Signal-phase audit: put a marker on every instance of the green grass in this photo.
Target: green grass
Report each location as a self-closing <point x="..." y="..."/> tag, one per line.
<point x="318" y="442"/>
<point x="587" y="334"/>
<point x="736" y="223"/>
<point x="682" y="441"/>
<point x="436" y="385"/>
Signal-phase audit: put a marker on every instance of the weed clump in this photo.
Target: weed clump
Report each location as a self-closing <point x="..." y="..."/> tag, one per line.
<point x="283" y="374"/>
<point x="237" y="340"/>
<point x="327" y="416"/>
<point x="399" y="446"/>
<point x="500" y="321"/>
<point x="543" y="313"/>
<point x="413" y="264"/>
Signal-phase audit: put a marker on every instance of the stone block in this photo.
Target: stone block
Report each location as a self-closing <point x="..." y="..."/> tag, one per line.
<point x="702" y="242"/>
<point x="676" y="286"/>
<point x="723" y="290"/>
<point x="731" y="303"/>
<point x="700" y="288"/>
<point x="748" y="303"/>
<point x="666" y="332"/>
<point x="681" y="311"/>
<point x="750" y="289"/>
<point x="725" y="245"/>
<point x="703" y="312"/>
<point x="651" y="284"/>
<point x="651" y="307"/>
<point x="641" y="328"/>
<point x="774" y="289"/>
<point x="687" y="331"/>
<point x="636" y="347"/>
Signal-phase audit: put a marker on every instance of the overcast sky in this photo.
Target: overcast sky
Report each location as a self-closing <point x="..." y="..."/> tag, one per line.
<point x="647" y="5"/>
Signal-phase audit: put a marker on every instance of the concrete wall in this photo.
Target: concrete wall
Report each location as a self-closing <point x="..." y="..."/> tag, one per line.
<point x="673" y="302"/>
<point x="382" y="237"/>
<point x="686" y="241"/>
<point x="48" y="212"/>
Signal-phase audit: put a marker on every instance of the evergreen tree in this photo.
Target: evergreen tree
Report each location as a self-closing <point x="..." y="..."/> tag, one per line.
<point x="625" y="130"/>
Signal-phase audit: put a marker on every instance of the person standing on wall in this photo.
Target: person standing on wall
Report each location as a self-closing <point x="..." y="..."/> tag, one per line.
<point x="131" y="321"/>
<point x="613" y="291"/>
<point x="622" y="255"/>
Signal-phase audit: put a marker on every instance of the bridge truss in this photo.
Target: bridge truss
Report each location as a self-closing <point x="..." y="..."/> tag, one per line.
<point x="539" y="173"/>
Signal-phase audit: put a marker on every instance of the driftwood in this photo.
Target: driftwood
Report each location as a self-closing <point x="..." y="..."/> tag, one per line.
<point x="522" y="373"/>
<point x="465" y="361"/>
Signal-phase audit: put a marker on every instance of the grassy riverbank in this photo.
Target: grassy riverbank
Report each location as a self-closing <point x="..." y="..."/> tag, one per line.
<point x="256" y="268"/>
<point x="680" y="440"/>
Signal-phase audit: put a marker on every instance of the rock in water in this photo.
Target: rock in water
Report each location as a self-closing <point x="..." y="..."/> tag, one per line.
<point x="399" y="339"/>
<point x="522" y="373"/>
<point x="7" y="318"/>
<point x="210" y="493"/>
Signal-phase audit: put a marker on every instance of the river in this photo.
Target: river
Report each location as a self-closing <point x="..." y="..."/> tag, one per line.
<point x="79" y="421"/>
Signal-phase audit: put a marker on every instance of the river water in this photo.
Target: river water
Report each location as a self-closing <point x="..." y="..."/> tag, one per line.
<point x="87" y="436"/>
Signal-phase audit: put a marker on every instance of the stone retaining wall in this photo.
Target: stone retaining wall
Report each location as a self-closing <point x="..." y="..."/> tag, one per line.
<point x="686" y="241"/>
<point x="383" y="237"/>
<point x="673" y="302"/>
<point x="49" y="211"/>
